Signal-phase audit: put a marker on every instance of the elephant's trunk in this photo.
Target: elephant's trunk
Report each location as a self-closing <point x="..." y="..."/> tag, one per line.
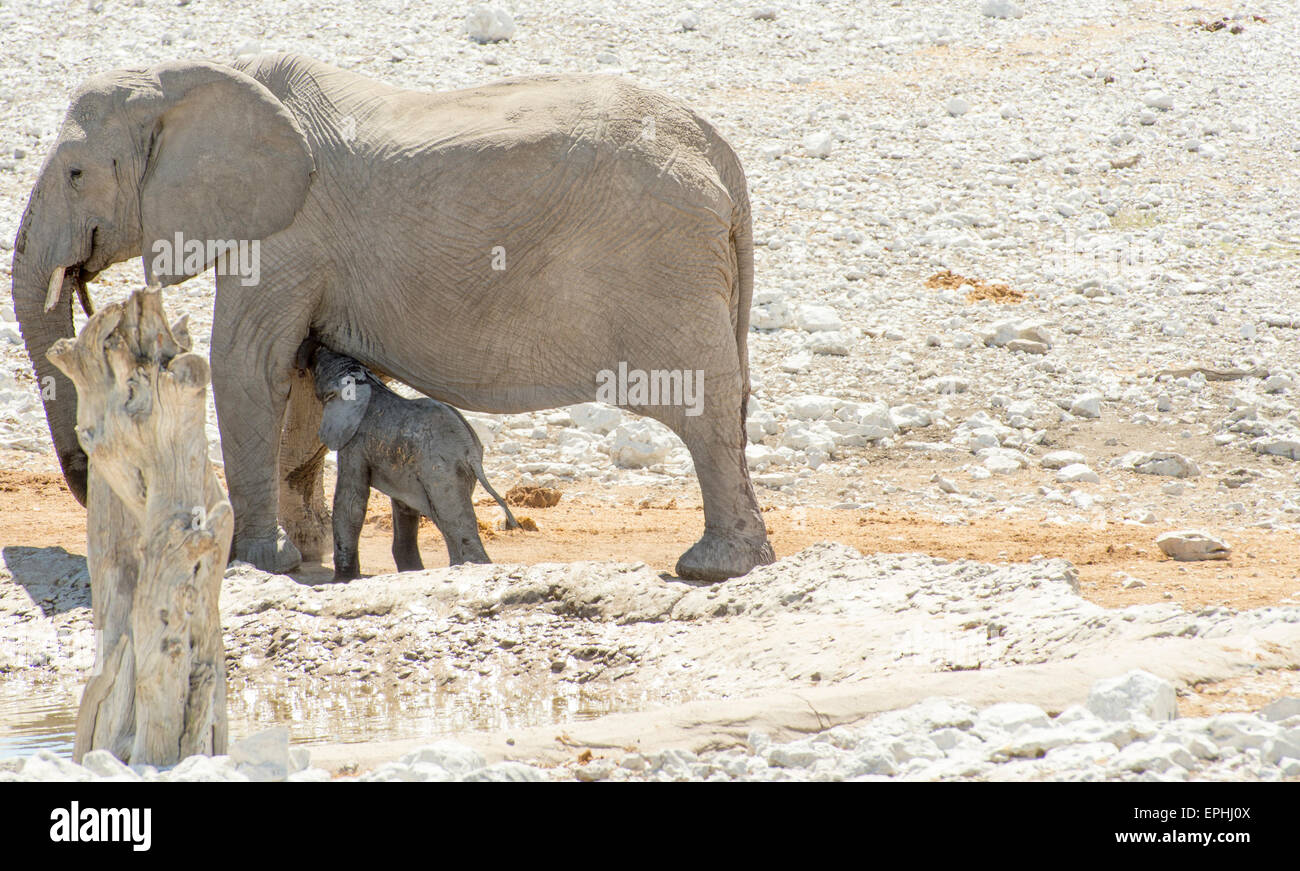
<point x="38" y="277"/>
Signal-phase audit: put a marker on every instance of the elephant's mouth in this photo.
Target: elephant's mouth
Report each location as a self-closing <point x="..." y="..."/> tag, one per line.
<point x="81" y="272"/>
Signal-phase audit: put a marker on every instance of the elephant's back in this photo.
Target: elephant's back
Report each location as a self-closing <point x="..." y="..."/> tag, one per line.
<point x="596" y="126"/>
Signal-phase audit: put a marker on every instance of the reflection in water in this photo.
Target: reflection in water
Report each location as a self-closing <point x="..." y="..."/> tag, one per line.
<point x="37" y="718"/>
<point x="342" y="710"/>
<point x="350" y="710"/>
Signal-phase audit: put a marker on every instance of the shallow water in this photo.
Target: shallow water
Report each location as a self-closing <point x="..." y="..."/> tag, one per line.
<point x="37" y="720"/>
<point x="341" y="710"/>
<point x="346" y="710"/>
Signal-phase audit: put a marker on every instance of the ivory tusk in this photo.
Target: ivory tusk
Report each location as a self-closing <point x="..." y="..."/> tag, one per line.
<point x="56" y="287"/>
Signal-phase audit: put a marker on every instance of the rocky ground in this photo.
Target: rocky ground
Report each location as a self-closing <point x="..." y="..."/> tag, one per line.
<point x="521" y="647"/>
<point x="1033" y="274"/>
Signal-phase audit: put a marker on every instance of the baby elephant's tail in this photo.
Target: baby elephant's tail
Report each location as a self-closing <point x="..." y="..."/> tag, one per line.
<point x="476" y="464"/>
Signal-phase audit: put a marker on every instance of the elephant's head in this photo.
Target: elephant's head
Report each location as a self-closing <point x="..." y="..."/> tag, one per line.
<point x="344" y="387"/>
<point x="195" y="149"/>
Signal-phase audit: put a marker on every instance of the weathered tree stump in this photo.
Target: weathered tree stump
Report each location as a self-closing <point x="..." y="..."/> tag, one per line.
<point x="159" y="529"/>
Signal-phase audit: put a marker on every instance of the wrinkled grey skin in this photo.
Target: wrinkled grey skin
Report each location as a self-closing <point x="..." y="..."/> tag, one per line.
<point x="619" y="219"/>
<point x="421" y="453"/>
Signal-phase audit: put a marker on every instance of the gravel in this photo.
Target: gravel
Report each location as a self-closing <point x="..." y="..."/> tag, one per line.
<point x="1127" y="732"/>
<point x="1117" y="199"/>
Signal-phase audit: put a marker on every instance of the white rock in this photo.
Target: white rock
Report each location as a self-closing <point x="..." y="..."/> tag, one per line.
<point x="1193" y="544"/>
<point x="263" y="755"/>
<point x="774" y="314"/>
<point x="796" y="363"/>
<point x="1167" y="463"/>
<point x="802" y="436"/>
<point x="1158" y="100"/>
<point x="1000" y="9"/>
<point x="1157" y="756"/>
<point x="1138" y="693"/>
<point x="452" y="756"/>
<point x="484" y="24"/>
<point x="906" y="417"/>
<point x="1278" y="446"/>
<point x="819" y="144"/>
<point x="1033" y="742"/>
<point x="1001" y="461"/>
<point x="1061" y="459"/>
<point x="222" y="769"/>
<point x="45" y="765"/>
<point x="1077" y="473"/>
<point x="1083" y="755"/>
<point x="104" y="764"/>
<point x="956" y="106"/>
<point x="507" y="772"/>
<point x="594" y="771"/>
<point x="949" y="384"/>
<point x="688" y="21"/>
<point x="1242" y="731"/>
<point x="1011" y="717"/>
<point x="817" y="318"/>
<point x="1281" y="709"/>
<point x="812" y="406"/>
<point x="1087" y="405"/>
<point x="834" y="343"/>
<point x="640" y="443"/>
<point x="595" y="417"/>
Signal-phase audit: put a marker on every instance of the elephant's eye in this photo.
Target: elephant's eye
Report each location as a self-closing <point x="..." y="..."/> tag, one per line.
<point x="74" y="176"/>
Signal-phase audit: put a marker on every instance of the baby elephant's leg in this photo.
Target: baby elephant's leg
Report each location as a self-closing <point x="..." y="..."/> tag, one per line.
<point x="406" y="531"/>
<point x="453" y="512"/>
<point x="351" y="493"/>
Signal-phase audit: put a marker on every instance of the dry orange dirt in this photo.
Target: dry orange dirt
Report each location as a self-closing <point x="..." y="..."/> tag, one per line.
<point x="979" y="290"/>
<point x="36" y="510"/>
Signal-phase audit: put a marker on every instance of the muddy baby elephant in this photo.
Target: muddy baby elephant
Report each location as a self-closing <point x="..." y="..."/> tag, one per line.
<point x="421" y="453"/>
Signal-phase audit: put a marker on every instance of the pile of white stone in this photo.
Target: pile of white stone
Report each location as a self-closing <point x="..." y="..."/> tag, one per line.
<point x="1127" y="730"/>
<point x="268" y="757"/>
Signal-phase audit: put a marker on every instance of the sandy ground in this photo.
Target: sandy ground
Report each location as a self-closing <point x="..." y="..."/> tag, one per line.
<point x="1051" y="173"/>
<point x="626" y="524"/>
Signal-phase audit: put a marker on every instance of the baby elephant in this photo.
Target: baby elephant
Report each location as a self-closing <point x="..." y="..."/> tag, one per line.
<point x="421" y="453"/>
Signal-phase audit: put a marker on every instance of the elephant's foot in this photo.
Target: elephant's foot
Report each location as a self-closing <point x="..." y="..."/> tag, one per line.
<point x="716" y="557"/>
<point x="312" y="538"/>
<point x="275" y="555"/>
<point x="408" y="562"/>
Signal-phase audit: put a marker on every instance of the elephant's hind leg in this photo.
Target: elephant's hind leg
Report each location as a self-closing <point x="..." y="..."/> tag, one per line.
<point x="406" y="531"/>
<point x="735" y="536"/>
<point x="452" y="501"/>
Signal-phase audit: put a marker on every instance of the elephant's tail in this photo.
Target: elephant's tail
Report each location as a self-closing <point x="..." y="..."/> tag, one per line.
<point x="476" y="466"/>
<point x="742" y="246"/>
<point x="511" y="523"/>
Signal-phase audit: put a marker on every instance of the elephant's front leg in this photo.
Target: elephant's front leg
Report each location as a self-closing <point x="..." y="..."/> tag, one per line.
<point x="302" y="465"/>
<point x="351" y="495"/>
<point x="255" y="333"/>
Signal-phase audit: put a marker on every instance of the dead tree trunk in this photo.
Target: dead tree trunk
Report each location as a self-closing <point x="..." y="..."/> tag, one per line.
<point x="159" y="529"/>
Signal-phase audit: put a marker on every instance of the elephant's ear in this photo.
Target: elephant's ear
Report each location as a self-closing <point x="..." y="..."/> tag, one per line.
<point x="342" y="415"/>
<point x="226" y="162"/>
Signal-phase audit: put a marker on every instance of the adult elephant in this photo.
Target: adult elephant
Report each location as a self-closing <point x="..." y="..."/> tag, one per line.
<point x="497" y="248"/>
